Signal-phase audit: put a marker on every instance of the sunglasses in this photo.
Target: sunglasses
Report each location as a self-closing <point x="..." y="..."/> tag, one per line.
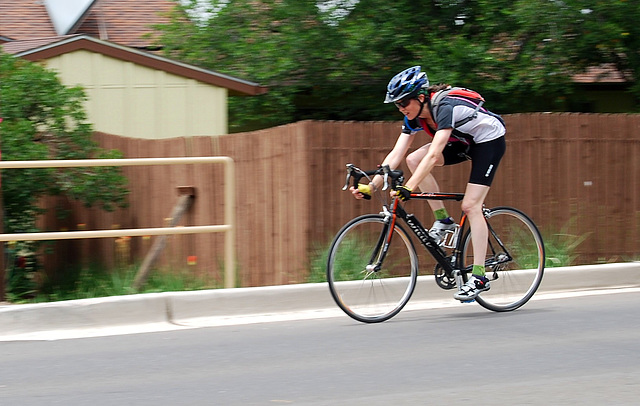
<point x="403" y="103"/>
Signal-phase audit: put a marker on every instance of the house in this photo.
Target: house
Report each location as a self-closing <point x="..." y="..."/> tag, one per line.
<point x="603" y="89"/>
<point x="134" y="93"/>
<point x="103" y="46"/>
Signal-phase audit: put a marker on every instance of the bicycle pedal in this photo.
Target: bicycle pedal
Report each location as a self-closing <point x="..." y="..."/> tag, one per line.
<point x="468" y="301"/>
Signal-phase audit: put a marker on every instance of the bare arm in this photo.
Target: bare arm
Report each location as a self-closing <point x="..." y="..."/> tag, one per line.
<point x="393" y="159"/>
<point x="397" y="154"/>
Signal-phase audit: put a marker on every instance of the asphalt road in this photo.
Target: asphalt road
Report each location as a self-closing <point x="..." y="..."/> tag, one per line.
<point x="576" y="350"/>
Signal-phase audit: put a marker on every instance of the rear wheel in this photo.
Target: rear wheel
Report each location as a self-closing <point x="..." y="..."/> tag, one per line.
<point x="363" y="291"/>
<point x="514" y="260"/>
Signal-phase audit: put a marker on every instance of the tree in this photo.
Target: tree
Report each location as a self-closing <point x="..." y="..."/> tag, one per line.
<point x="332" y="59"/>
<point x="272" y="42"/>
<point x="42" y="119"/>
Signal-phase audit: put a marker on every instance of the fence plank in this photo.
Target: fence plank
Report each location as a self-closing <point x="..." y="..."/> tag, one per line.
<point x="577" y="171"/>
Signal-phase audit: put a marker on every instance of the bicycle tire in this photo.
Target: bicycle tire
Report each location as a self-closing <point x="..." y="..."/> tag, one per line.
<point x="513" y="281"/>
<point x="365" y="295"/>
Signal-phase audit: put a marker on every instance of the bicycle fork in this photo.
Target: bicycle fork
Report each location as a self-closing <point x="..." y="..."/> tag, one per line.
<point x="382" y="246"/>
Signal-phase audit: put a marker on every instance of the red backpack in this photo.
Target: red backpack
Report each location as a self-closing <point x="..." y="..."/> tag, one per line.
<point x="458" y="93"/>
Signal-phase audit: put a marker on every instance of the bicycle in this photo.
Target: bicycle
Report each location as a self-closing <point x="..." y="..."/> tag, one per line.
<point x="372" y="266"/>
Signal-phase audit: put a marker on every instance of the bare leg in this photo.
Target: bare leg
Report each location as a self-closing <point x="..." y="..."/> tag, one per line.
<point x="472" y="206"/>
<point x="429" y="183"/>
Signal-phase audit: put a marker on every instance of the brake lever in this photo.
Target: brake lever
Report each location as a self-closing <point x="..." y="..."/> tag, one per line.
<point x="349" y="174"/>
<point x="346" y="182"/>
<point x="385" y="177"/>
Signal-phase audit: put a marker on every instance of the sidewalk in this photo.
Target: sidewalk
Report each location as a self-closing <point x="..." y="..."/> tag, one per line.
<point x="176" y="308"/>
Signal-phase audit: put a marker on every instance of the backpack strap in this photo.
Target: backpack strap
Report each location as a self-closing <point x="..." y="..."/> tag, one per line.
<point x="437" y="98"/>
<point x="458" y="93"/>
<point x="473" y="116"/>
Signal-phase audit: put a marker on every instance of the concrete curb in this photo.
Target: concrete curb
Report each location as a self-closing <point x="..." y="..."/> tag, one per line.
<point x="179" y="307"/>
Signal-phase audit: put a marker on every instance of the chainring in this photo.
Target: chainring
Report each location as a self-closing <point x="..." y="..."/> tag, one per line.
<point x="443" y="280"/>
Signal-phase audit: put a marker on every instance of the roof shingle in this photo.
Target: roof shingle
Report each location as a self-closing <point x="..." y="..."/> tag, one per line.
<point x="121" y="21"/>
<point x="605" y="73"/>
<point x="15" y="47"/>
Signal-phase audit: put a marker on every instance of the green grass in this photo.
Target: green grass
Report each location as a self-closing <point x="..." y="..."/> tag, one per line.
<point x="95" y="282"/>
<point x="349" y="263"/>
<point x="560" y="246"/>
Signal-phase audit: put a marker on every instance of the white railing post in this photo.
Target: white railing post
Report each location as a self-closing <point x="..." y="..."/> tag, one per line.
<point x="230" y="218"/>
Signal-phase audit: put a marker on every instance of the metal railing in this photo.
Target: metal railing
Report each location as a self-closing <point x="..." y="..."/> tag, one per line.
<point x="229" y="206"/>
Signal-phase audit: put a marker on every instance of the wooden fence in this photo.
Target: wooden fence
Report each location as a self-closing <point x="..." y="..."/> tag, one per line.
<point x="574" y="174"/>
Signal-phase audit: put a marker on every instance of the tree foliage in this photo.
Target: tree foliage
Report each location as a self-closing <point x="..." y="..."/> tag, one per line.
<point x="42" y="119"/>
<point x="332" y="59"/>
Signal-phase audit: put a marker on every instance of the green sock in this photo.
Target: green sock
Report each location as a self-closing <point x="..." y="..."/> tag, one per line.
<point x="478" y="270"/>
<point x="441" y="214"/>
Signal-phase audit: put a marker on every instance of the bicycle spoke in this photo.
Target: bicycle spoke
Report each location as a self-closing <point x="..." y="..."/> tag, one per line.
<point x="376" y="290"/>
<point x="515" y="259"/>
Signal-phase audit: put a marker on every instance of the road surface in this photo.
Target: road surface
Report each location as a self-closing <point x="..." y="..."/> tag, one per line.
<point x="582" y="349"/>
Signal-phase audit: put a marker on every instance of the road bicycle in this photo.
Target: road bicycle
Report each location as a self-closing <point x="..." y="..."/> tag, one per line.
<point x="372" y="266"/>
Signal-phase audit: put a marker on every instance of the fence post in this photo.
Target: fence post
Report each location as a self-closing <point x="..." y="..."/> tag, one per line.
<point x="230" y="219"/>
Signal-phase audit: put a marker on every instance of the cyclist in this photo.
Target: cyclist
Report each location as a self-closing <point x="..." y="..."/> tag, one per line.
<point x="460" y="130"/>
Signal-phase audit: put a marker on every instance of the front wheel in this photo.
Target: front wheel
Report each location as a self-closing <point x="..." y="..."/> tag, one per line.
<point x="366" y="287"/>
<point x="514" y="260"/>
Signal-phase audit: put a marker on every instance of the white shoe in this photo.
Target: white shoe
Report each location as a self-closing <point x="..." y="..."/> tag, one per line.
<point x="438" y="230"/>
<point x="472" y="288"/>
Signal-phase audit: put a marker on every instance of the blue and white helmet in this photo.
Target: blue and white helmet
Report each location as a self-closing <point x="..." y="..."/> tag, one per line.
<point x="407" y="83"/>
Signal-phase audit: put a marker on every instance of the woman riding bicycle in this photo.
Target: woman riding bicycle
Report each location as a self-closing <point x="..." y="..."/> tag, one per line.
<point x="461" y="130"/>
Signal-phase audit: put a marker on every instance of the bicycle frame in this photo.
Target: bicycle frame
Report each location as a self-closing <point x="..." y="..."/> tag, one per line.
<point x="448" y="263"/>
<point x="451" y="263"/>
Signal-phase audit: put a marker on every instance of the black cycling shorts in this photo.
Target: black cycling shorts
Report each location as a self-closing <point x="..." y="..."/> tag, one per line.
<point x="484" y="157"/>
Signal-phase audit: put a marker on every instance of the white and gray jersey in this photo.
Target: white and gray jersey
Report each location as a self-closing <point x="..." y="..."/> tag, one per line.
<point x="486" y="126"/>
